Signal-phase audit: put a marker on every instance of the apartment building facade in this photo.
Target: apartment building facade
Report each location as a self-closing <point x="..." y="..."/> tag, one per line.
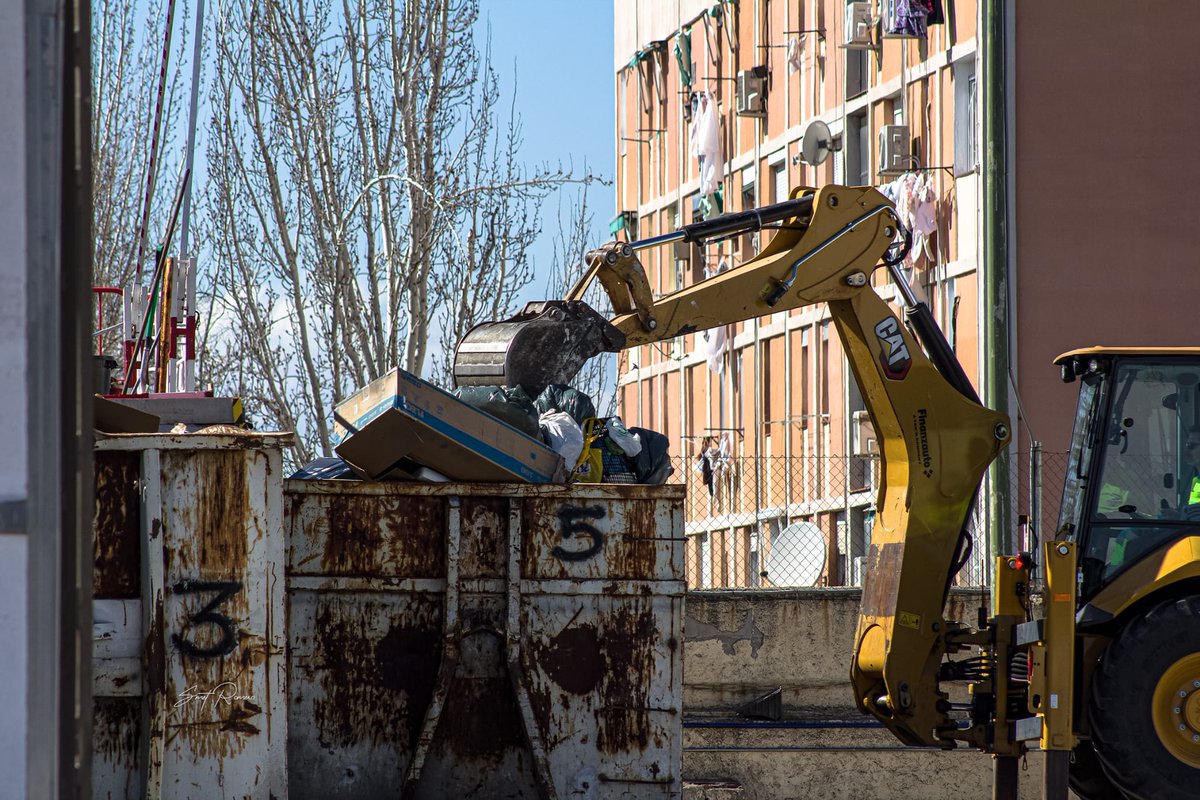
<point x="779" y="455"/>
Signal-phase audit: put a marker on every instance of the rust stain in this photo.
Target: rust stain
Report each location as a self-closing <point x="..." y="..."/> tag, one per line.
<point x="116" y="525"/>
<point x="222" y="513"/>
<point x="612" y="664"/>
<point x="574" y="660"/>
<point x="376" y="687"/>
<point x="635" y="556"/>
<point x="154" y="651"/>
<point x="372" y="536"/>
<point x="115" y="725"/>
<point x="483" y="550"/>
<point x="881" y="581"/>
<point x="623" y="716"/>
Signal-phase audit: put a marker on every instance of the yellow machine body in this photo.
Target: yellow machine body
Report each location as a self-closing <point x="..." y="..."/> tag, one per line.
<point x="1026" y="675"/>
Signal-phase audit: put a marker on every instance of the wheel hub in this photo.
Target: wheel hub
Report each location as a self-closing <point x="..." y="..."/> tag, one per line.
<point x="1176" y="709"/>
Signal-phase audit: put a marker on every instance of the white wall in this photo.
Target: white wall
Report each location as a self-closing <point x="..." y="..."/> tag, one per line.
<point x="13" y="419"/>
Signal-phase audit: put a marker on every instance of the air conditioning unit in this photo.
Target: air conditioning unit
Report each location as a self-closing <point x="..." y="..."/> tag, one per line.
<point x="894" y="149"/>
<point x="752" y="92"/>
<point x="858" y="566"/>
<point x="862" y="435"/>
<point x="860" y="27"/>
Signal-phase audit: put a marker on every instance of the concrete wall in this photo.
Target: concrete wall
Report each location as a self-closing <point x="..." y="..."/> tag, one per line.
<point x="741" y="645"/>
<point x="13" y="422"/>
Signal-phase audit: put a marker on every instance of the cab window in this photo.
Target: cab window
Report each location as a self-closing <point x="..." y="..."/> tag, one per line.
<point x="1140" y="500"/>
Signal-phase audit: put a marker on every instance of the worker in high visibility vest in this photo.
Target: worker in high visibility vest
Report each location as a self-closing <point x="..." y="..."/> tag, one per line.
<point x="1192" y="455"/>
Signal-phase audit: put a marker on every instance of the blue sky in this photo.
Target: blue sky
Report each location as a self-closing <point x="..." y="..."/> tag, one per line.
<point x="561" y="54"/>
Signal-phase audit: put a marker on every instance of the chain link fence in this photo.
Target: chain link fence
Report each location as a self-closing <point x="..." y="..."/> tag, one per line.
<point x="795" y="521"/>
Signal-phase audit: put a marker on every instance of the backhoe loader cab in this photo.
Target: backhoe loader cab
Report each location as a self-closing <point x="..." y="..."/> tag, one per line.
<point x="1131" y="505"/>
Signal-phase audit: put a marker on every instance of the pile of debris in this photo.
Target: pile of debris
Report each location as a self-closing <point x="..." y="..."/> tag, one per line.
<point x="401" y="427"/>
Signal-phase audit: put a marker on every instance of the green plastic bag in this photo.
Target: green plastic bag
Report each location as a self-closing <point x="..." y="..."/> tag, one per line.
<point x="559" y="397"/>
<point x="508" y="404"/>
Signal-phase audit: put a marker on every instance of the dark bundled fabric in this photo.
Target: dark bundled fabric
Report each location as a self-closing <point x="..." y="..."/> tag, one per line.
<point x="653" y="464"/>
<point x="508" y="404"/>
<point x="706" y="470"/>
<point x="559" y="397"/>
<point x="936" y="15"/>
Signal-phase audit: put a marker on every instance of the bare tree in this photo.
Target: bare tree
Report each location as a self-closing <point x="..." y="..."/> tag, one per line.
<point x="576" y="234"/>
<point x="499" y="223"/>
<point x="127" y="45"/>
<point x="360" y="192"/>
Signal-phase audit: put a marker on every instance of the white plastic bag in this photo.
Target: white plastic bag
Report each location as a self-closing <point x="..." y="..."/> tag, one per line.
<point x="564" y="436"/>
<point x="631" y="443"/>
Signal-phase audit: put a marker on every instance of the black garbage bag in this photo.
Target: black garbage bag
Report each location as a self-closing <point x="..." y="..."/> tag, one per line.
<point x="653" y="464"/>
<point x="560" y="397"/>
<point x="510" y="404"/>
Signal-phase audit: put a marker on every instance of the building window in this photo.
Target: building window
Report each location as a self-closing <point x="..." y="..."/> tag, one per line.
<point x="805" y="370"/>
<point x="748" y="242"/>
<point x="780" y="181"/>
<point x="858" y="152"/>
<point x="966" y="117"/>
<point x="856" y="72"/>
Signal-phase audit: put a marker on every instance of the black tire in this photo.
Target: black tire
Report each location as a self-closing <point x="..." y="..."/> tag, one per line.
<point x="1087" y="778"/>
<point x="1127" y="742"/>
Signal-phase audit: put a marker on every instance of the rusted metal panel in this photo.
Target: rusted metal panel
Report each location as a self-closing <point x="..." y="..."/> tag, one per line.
<point x="365" y="535"/>
<point x="363" y="667"/>
<point x="539" y="657"/>
<point x="190" y="679"/>
<point x="117" y="648"/>
<point x="605" y="678"/>
<point x="116" y="526"/>
<point x="115" y="763"/>
<point x="222" y="522"/>
<point x="615" y="534"/>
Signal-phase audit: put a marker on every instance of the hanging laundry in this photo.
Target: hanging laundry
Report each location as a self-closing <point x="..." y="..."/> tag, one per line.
<point x="924" y="207"/>
<point x="705" y="143"/>
<point x="936" y="15"/>
<point x="793" y="55"/>
<point x="910" y="18"/>
<point x="716" y="339"/>
<point x="704" y="462"/>
<point x="916" y="206"/>
<point x="683" y="56"/>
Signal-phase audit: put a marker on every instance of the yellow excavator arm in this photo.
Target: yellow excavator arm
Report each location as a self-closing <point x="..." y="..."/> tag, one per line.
<point x="936" y="439"/>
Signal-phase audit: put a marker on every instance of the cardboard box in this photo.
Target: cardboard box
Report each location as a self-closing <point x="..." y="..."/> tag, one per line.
<point x="401" y="416"/>
<point x="114" y="417"/>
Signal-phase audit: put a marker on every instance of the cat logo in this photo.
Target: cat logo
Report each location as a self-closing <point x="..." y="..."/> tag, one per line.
<point x="893" y="351"/>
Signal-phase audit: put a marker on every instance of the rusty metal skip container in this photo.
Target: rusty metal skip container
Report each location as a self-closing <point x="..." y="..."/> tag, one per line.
<point x="189" y="634"/>
<point x="264" y="638"/>
<point x="484" y="640"/>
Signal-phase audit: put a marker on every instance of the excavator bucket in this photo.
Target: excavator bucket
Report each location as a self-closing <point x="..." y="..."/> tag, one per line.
<point x="550" y="340"/>
<point x="546" y="343"/>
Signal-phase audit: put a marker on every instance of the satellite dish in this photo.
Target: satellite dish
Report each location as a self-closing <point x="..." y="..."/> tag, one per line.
<point x="817" y="144"/>
<point x="797" y="555"/>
